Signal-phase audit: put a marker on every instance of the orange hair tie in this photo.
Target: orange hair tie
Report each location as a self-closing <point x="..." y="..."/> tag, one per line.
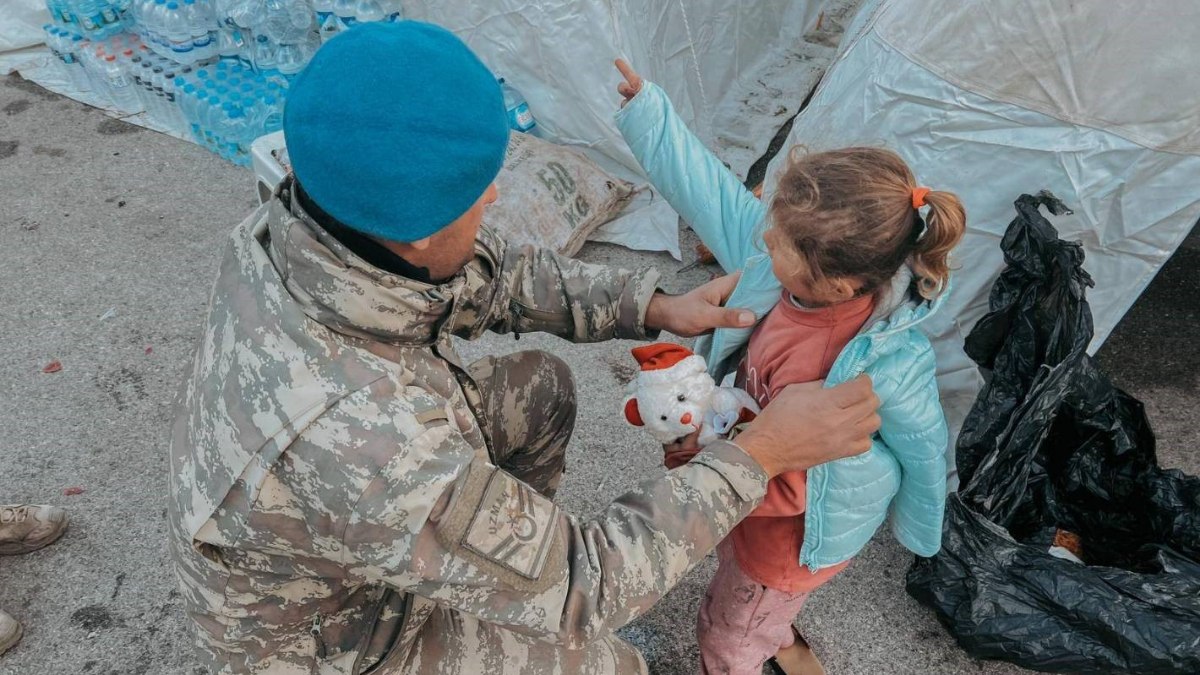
<point x="918" y="196"/>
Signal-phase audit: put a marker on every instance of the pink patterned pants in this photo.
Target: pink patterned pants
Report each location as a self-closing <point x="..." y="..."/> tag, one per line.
<point x="743" y="623"/>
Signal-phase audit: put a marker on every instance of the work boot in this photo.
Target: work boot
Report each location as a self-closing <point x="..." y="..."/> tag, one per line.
<point x="10" y="632"/>
<point x="28" y="527"/>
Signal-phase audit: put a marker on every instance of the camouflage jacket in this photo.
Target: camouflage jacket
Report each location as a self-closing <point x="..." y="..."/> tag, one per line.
<point x="330" y="486"/>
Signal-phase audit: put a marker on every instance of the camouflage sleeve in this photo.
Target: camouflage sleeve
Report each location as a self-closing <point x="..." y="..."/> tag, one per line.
<point x="529" y="289"/>
<point x="498" y="550"/>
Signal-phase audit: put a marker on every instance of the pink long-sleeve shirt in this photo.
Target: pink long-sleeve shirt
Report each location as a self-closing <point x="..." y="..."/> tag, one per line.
<point x="792" y="345"/>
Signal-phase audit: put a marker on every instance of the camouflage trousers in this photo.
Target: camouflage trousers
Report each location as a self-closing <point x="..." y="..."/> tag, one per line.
<point x="528" y="416"/>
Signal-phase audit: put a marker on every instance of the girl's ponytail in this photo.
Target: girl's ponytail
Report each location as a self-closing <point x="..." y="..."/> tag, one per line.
<point x="944" y="228"/>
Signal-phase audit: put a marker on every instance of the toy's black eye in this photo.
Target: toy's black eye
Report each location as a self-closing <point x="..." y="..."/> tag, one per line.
<point x="664" y="418"/>
<point x="682" y="398"/>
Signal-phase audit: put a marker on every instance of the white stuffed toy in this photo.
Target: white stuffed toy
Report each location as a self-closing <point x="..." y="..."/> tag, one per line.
<point x="674" y="396"/>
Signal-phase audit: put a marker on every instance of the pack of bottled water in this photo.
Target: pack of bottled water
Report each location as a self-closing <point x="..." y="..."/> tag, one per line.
<point x="92" y="19"/>
<point x="226" y="106"/>
<point x="335" y="16"/>
<point x="216" y="69"/>
<point x="184" y="31"/>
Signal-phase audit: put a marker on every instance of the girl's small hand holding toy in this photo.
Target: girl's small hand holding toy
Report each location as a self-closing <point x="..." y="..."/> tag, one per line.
<point x="673" y="396"/>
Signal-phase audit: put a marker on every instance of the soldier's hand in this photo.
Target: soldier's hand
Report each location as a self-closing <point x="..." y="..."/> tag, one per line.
<point x="698" y="311"/>
<point x="682" y="450"/>
<point x="807" y="424"/>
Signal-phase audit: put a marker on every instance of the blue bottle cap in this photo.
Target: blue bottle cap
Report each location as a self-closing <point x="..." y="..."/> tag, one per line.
<point x="172" y="6"/>
<point x="179" y="82"/>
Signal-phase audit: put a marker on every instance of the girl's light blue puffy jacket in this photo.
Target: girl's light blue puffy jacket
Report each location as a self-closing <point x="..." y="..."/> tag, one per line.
<point x="904" y="472"/>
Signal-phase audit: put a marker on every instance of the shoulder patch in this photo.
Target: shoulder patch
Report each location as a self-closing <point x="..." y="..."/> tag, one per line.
<point x="513" y="526"/>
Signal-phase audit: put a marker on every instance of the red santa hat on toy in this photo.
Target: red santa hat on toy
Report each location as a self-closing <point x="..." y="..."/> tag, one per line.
<point x="661" y="362"/>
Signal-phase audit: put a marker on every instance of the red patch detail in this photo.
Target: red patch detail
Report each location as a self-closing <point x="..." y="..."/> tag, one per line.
<point x="633" y="414"/>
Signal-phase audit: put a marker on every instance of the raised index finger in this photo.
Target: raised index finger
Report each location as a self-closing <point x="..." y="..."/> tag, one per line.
<point x="628" y="73"/>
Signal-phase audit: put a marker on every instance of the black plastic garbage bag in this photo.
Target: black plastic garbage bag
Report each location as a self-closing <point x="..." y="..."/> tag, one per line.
<point x="1052" y="451"/>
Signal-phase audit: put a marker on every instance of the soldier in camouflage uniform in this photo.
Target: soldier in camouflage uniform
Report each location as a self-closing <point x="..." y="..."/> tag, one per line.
<point x="348" y="497"/>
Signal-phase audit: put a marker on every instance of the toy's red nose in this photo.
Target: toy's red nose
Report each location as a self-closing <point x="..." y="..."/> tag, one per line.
<point x="686" y="419"/>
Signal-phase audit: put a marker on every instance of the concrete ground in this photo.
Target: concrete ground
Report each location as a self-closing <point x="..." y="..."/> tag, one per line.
<point x="109" y="239"/>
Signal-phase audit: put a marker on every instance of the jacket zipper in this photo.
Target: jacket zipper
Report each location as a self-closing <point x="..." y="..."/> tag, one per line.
<point x="315" y="631"/>
<point x="374" y="625"/>
<point x="817" y="476"/>
<point x="553" y="319"/>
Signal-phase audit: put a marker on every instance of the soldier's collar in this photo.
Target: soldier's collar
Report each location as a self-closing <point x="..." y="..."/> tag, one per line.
<point x="339" y="289"/>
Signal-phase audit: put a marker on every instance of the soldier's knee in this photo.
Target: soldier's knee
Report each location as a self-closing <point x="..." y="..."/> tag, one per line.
<point x="559" y="382"/>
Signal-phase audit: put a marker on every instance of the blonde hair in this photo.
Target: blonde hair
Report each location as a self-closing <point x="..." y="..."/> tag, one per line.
<point x="850" y="213"/>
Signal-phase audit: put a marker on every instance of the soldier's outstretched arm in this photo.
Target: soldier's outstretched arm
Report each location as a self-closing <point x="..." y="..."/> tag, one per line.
<point x="466" y="534"/>
<point x="494" y="548"/>
<point x="524" y="289"/>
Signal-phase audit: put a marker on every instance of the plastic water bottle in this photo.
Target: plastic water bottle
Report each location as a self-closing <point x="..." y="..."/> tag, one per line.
<point x="368" y="10"/>
<point x="323" y="9"/>
<point x="177" y="33"/>
<point x="90" y="14"/>
<point x="124" y="13"/>
<point x="202" y="26"/>
<point x="53" y="41"/>
<point x="345" y="11"/>
<point x="171" y="84"/>
<point x="265" y="57"/>
<point x="395" y="12"/>
<point x="520" y="117"/>
<point x="330" y="26"/>
<point x="110" y="16"/>
<point x="152" y="22"/>
<point x="244" y="13"/>
<point x="93" y="66"/>
<point x="60" y="12"/>
<point x="70" y="45"/>
<point x="286" y="21"/>
<point x="273" y="117"/>
<point x="120" y="89"/>
<point x="228" y="49"/>
<point x="212" y="118"/>
<point x="187" y="98"/>
<point x="289" y="60"/>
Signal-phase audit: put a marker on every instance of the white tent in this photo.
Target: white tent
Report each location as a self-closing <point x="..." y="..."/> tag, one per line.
<point x="736" y="70"/>
<point x="1098" y="102"/>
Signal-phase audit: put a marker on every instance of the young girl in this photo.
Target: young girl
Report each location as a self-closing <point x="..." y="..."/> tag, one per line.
<point x="850" y="269"/>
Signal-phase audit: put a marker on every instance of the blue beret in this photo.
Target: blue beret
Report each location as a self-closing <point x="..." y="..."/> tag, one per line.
<point x="396" y="129"/>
